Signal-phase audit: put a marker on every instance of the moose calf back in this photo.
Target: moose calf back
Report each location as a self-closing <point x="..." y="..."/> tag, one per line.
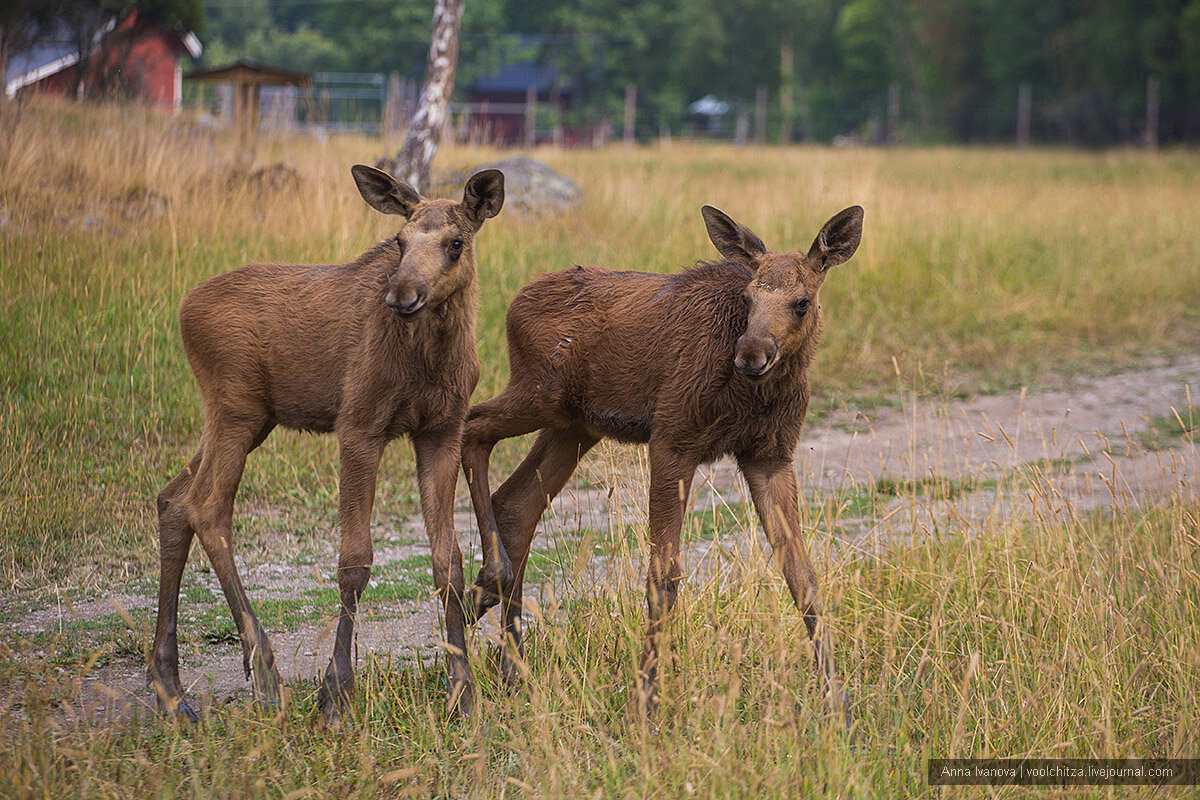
<point x="629" y="352"/>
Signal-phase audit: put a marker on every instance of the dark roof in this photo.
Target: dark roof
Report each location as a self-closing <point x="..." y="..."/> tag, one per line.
<point x="251" y="72"/>
<point x="518" y="78"/>
<point x="52" y="48"/>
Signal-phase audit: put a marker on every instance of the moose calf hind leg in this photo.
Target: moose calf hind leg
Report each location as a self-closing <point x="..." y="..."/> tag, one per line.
<point x="175" y="539"/>
<point x="211" y="514"/>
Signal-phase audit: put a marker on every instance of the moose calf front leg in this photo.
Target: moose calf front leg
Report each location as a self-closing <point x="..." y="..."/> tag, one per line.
<point x="356" y="494"/>
<point x="670" y="483"/>
<point x="437" y="472"/>
<point x="774" y="492"/>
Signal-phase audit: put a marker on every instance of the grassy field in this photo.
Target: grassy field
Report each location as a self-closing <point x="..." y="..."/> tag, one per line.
<point x="980" y="270"/>
<point x="1045" y="641"/>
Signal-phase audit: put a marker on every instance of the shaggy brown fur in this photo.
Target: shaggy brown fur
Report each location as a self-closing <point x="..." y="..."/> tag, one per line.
<point x="702" y="364"/>
<point x="371" y="350"/>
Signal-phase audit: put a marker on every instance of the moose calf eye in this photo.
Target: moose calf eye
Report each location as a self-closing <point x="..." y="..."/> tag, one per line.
<point x="800" y="307"/>
<point x="456" y="246"/>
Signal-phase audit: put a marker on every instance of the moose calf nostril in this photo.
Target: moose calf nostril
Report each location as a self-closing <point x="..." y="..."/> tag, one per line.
<point x="405" y="304"/>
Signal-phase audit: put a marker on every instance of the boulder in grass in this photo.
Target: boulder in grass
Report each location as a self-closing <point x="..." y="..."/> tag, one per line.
<point x="530" y="186"/>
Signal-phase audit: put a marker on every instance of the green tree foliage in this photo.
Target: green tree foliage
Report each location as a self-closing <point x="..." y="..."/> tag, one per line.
<point x="958" y="63"/>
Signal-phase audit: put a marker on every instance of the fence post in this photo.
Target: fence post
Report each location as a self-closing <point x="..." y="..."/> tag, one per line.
<point x="630" y="112"/>
<point x="392" y="105"/>
<point x="1024" y="114"/>
<point x="1152" y="112"/>
<point x="530" y="116"/>
<point x="741" y="128"/>
<point x="893" y="114"/>
<point x="557" y="113"/>
<point x="760" y="114"/>
<point x="787" y="90"/>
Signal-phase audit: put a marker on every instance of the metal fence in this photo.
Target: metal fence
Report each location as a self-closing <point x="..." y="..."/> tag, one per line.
<point x="376" y="103"/>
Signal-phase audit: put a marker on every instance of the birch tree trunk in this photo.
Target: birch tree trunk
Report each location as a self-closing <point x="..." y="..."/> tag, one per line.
<point x="433" y="108"/>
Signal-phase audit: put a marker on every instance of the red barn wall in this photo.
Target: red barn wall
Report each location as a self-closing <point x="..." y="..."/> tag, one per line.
<point x="150" y="70"/>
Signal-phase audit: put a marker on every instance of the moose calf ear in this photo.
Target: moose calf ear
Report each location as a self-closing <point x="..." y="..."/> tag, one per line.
<point x="483" y="196"/>
<point x="838" y="240"/>
<point x="383" y="192"/>
<point x="735" y="242"/>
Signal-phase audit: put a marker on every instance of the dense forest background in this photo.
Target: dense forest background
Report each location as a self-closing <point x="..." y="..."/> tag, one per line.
<point x="958" y="63"/>
<point x="954" y="68"/>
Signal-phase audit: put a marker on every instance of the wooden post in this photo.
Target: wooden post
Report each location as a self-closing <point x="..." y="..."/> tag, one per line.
<point x="556" y="104"/>
<point x="760" y="115"/>
<point x="1024" y="114"/>
<point x="392" y="107"/>
<point x="1152" y="101"/>
<point x="787" y="90"/>
<point x="741" y="128"/>
<point x="237" y="104"/>
<point x="530" y="117"/>
<point x="893" y="114"/>
<point x="245" y="117"/>
<point x="630" y="112"/>
<point x="482" y="130"/>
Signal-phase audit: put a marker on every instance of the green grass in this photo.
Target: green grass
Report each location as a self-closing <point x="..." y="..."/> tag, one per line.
<point x="1169" y="430"/>
<point x="1049" y="640"/>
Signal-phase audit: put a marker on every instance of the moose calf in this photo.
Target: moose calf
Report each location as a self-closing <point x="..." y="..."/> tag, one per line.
<point x="706" y="363"/>
<point x="370" y="350"/>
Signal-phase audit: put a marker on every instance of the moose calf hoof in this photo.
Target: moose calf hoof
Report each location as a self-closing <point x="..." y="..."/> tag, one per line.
<point x="492" y="582"/>
<point x="267" y="692"/>
<point x="476" y="602"/>
<point x="460" y="701"/>
<point x="646" y="702"/>
<point x="266" y="685"/>
<point x="510" y="672"/>
<point x="335" y="697"/>
<point x="837" y="705"/>
<point x="333" y="706"/>
<point x="181" y="711"/>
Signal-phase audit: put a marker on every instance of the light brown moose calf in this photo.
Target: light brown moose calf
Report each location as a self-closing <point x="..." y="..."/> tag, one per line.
<point x="706" y="363"/>
<point x="371" y="350"/>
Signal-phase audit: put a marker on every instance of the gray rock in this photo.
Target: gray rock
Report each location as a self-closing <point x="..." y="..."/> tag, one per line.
<point x="530" y="186"/>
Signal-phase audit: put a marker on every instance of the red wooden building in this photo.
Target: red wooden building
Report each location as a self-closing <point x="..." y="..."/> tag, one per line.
<point x="142" y="65"/>
<point x="499" y="104"/>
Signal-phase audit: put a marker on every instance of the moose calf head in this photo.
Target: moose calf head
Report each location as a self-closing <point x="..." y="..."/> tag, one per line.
<point x="783" y="291"/>
<point x="437" y="240"/>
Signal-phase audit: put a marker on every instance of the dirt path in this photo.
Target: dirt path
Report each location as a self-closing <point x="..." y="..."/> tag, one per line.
<point x="923" y="465"/>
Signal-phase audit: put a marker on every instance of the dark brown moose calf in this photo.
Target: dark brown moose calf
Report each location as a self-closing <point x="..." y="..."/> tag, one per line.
<point x="706" y="363"/>
<point x="370" y="350"/>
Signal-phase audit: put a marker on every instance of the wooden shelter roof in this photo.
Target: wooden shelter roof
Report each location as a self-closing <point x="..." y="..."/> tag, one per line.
<point x="248" y="72"/>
